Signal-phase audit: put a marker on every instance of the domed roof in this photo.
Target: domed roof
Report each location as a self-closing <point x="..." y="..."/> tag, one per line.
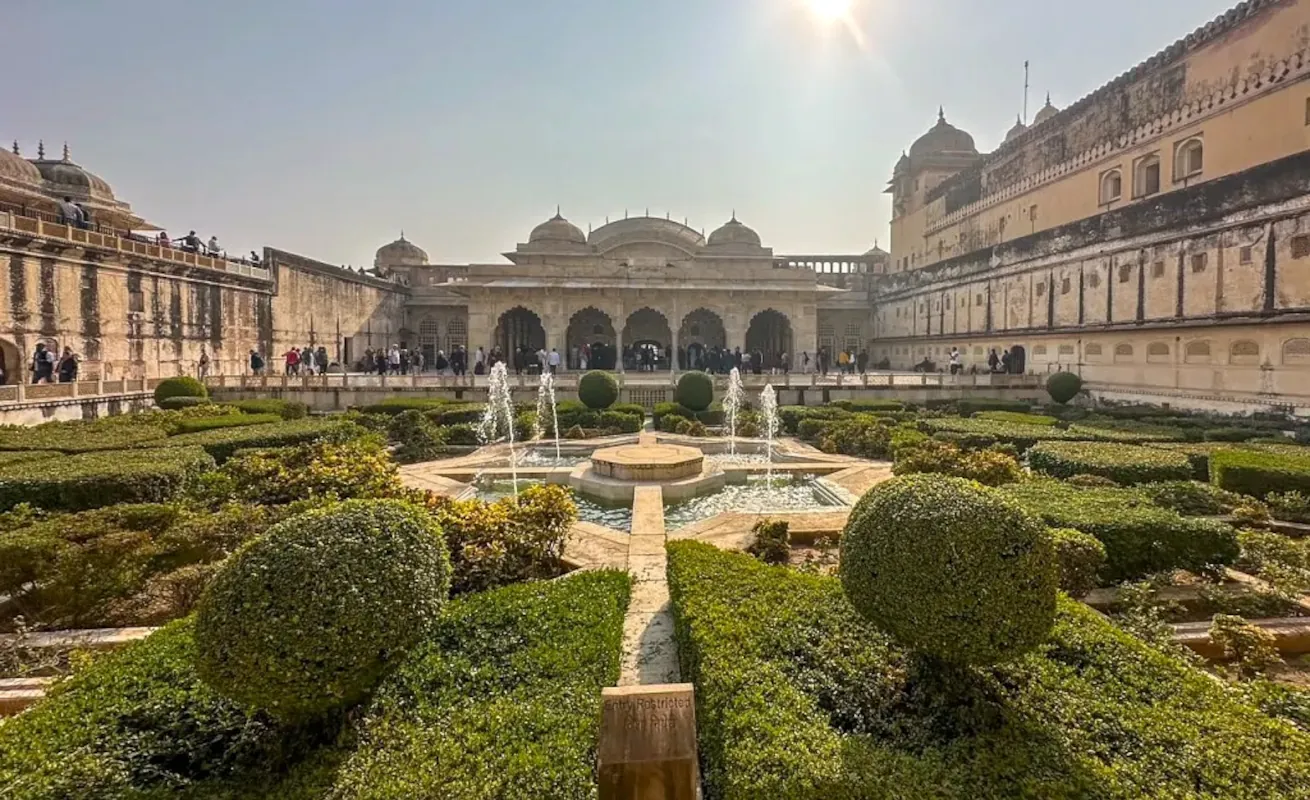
<point x="902" y="164"/>
<point x="630" y="230"/>
<point x="65" y="177"/>
<point x="733" y="232"/>
<point x="400" y="252"/>
<point x="14" y="167"/>
<point x="1018" y="128"/>
<point x="1046" y="113"/>
<point x="943" y="139"/>
<point x="557" y="229"/>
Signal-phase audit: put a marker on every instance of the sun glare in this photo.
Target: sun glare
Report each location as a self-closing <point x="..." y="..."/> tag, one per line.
<point x="831" y="10"/>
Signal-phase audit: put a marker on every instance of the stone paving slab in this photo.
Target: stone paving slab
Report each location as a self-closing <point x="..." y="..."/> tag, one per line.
<point x="431" y="482"/>
<point x="592" y="546"/>
<point x="860" y="479"/>
<point x="650" y="655"/>
<point x="88" y="639"/>
<point x="732" y="530"/>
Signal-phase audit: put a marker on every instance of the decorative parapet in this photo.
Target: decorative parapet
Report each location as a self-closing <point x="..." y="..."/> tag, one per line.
<point x="1294" y="67"/>
<point x="39" y="228"/>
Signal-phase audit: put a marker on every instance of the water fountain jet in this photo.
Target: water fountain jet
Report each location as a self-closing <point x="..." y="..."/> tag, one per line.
<point x="500" y="411"/>
<point x="732" y="403"/>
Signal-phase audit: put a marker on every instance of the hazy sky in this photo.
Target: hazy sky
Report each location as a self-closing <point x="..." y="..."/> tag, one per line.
<point x="325" y="126"/>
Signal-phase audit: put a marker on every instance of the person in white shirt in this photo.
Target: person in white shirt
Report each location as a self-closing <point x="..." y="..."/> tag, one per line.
<point x="554" y="360"/>
<point x="956" y="366"/>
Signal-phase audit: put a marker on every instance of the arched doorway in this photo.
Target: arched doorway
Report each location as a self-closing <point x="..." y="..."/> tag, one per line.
<point x="701" y="332"/>
<point x="646" y="339"/>
<point x="769" y="335"/>
<point x="519" y="330"/>
<point x="429" y="339"/>
<point x="1018" y="360"/>
<point x="592" y="328"/>
<point x="11" y="363"/>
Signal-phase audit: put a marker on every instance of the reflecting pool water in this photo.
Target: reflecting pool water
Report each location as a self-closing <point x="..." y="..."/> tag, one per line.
<point x="757" y="495"/>
<point x="616" y="517"/>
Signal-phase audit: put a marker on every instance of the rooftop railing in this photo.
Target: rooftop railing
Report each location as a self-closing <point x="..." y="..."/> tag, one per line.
<point x="100" y="237"/>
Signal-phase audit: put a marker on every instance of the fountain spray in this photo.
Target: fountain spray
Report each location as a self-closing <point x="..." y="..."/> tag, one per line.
<point x="732" y="403"/>
<point x="500" y="410"/>
<point x="545" y="400"/>
<point x="769" y="411"/>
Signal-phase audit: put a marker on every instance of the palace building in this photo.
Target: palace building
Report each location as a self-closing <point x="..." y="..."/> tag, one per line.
<point x="1153" y="236"/>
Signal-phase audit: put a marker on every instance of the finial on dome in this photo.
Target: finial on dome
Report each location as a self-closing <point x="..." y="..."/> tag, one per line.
<point x="668" y="215"/>
<point x="647" y="211"/>
<point x="941" y="113"/>
<point x="734" y="216"/>
<point x="557" y="214"/>
<point x="65" y="152"/>
<point x="16" y="148"/>
<point x="40" y="149"/>
<point x="1048" y="99"/>
<point x="402" y="234"/>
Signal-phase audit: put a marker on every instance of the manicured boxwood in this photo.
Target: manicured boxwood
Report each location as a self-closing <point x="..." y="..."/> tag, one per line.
<point x="308" y="617"/>
<point x="798" y="697"/>
<point x="695" y="391"/>
<point x="1080" y="557"/>
<point x="181" y="386"/>
<point x="401" y="403"/>
<point x="1258" y="473"/>
<point x="627" y="423"/>
<point x="971" y="406"/>
<point x="198" y="424"/>
<point x="1128" y="433"/>
<point x="457" y="414"/>
<point x="635" y="409"/>
<point x="79" y="437"/>
<point x="869" y="405"/>
<point x="92" y="480"/>
<point x="16" y="456"/>
<point x="952" y="569"/>
<point x="502" y="700"/>
<point x="223" y="442"/>
<point x="979" y="433"/>
<point x="1198" y="454"/>
<point x="1063" y="386"/>
<point x="1017" y="418"/>
<point x="286" y="409"/>
<point x="1125" y="464"/>
<point x="1140" y="538"/>
<point x="180" y="402"/>
<point x="598" y="390"/>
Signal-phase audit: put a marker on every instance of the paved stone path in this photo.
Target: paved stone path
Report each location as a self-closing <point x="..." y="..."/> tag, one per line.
<point x="649" y="652"/>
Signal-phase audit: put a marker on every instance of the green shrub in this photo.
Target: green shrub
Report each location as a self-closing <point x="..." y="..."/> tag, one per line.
<point x="198" y="424"/>
<point x="1090" y="482"/>
<point x="92" y="480"/>
<point x="222" y="444"/>
<point x="306" y="618"/>
<point x="1191" y="498"/>
<point x="669" y="423"/>
<point x="714" y="416"/>
<point x="625" y="423"/>
<point x="357" y="468"/>
<point x="457" y="413"/>
<point x="1063" y="386"/>
<point x="695" y="391"/>
<point x="1258" y="473"/>
<point x="575" y="433"/>
<point x="772" y="542"/>
<point x="859" y="406"/>
<point x="418" y="438"/>
<point x="969" y="407"/>
<point x="988" y="467"/>
<point x="798" y="697"/>
<point x="180" y="402"/>
<point x="493" y="544"/>
<point x="79" y="437"/>
<point x="691" y="427"/>
<point x="662" y="409"/>
<point x="1131" y="432"/>
<point x="980" y="433"/>
<point x="286" y="409"/>
<point x="1124" y="464"/>
<point x="1230" y="434"/>
<point x="181" y="386"/>
<point x="1017" y="418"/>
<point x="460" y="435"/>
<point x="1140" y="538"/>
<point x="811" y="429"/>
<point x="854" y="437"/>
<point x="1289" y="506"/>
<point x="598" y="390"/>
<point x="634" y="409"/>
<point x="950" y="568"/>
<point x="1080" y="557"/>
<point x="1198" y="454"/>
<point x="399" y="404"/>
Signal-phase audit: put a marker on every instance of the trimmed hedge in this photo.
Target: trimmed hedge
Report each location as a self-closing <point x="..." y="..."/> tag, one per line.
<point x="182" y="401"/>
<point x="286" y="409"/>
<point x="1080" y="557"/>
<point x="798" y="697"/>
<point x="1258" y="473"/>
<point x="458" y="414"/>
<point x="598" y="390"/>
<point x="198" y="424"/>
<point x="308" y="617"/>
<point x="1139" y="537"/>
<point x="1198" y="454"/>
<point x="1124" y="464"/>
<point x="181" y="386"/>
<point x="695" y="391"/>
<point x="858" y="406"/>
<point x="92" y="480"/>
<point x="626" y="423"/>
<point x="80" y="437"/>
<point x="980" y="433"/>
<point x="950" y="568"/>
<point x="222" y="443"/>
<point x="400" y="404"/>
<point x="1017" y="418"/>
<point x="969" y="407"/>
<point x="502" y="700"/>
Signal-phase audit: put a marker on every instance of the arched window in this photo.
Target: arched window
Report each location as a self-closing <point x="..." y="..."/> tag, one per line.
<point x="1189" y="159"/>
<point x="1123" y="352"/>
<point x="1146" y="176"/>
<point x="1066" y="349"/>
<point x="1197" y="352"/>
<point x="1244" y="352"/>
<point x="428" y="332"/>
<point x="1112" y="186"/>
<point x="1039" y="350"/>
<point x="1296" y="351"/>
<point x="457" y="332"/>
<point x="1157" y="352"/>
<point x="1092" y="351"/>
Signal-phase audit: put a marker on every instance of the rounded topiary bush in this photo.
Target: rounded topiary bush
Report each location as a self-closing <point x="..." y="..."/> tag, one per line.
<point x="183" y="386"/>
<point x="695" y="391"/>
<point x="598" y="390"/>
<point x="950" y="568"/>
<point x="1063" y="386"/>
<point x="306" y="618"/>
<point x="179" y="402"/>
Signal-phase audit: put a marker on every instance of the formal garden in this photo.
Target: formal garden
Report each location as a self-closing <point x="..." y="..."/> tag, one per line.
<point x="422" y="597"/>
